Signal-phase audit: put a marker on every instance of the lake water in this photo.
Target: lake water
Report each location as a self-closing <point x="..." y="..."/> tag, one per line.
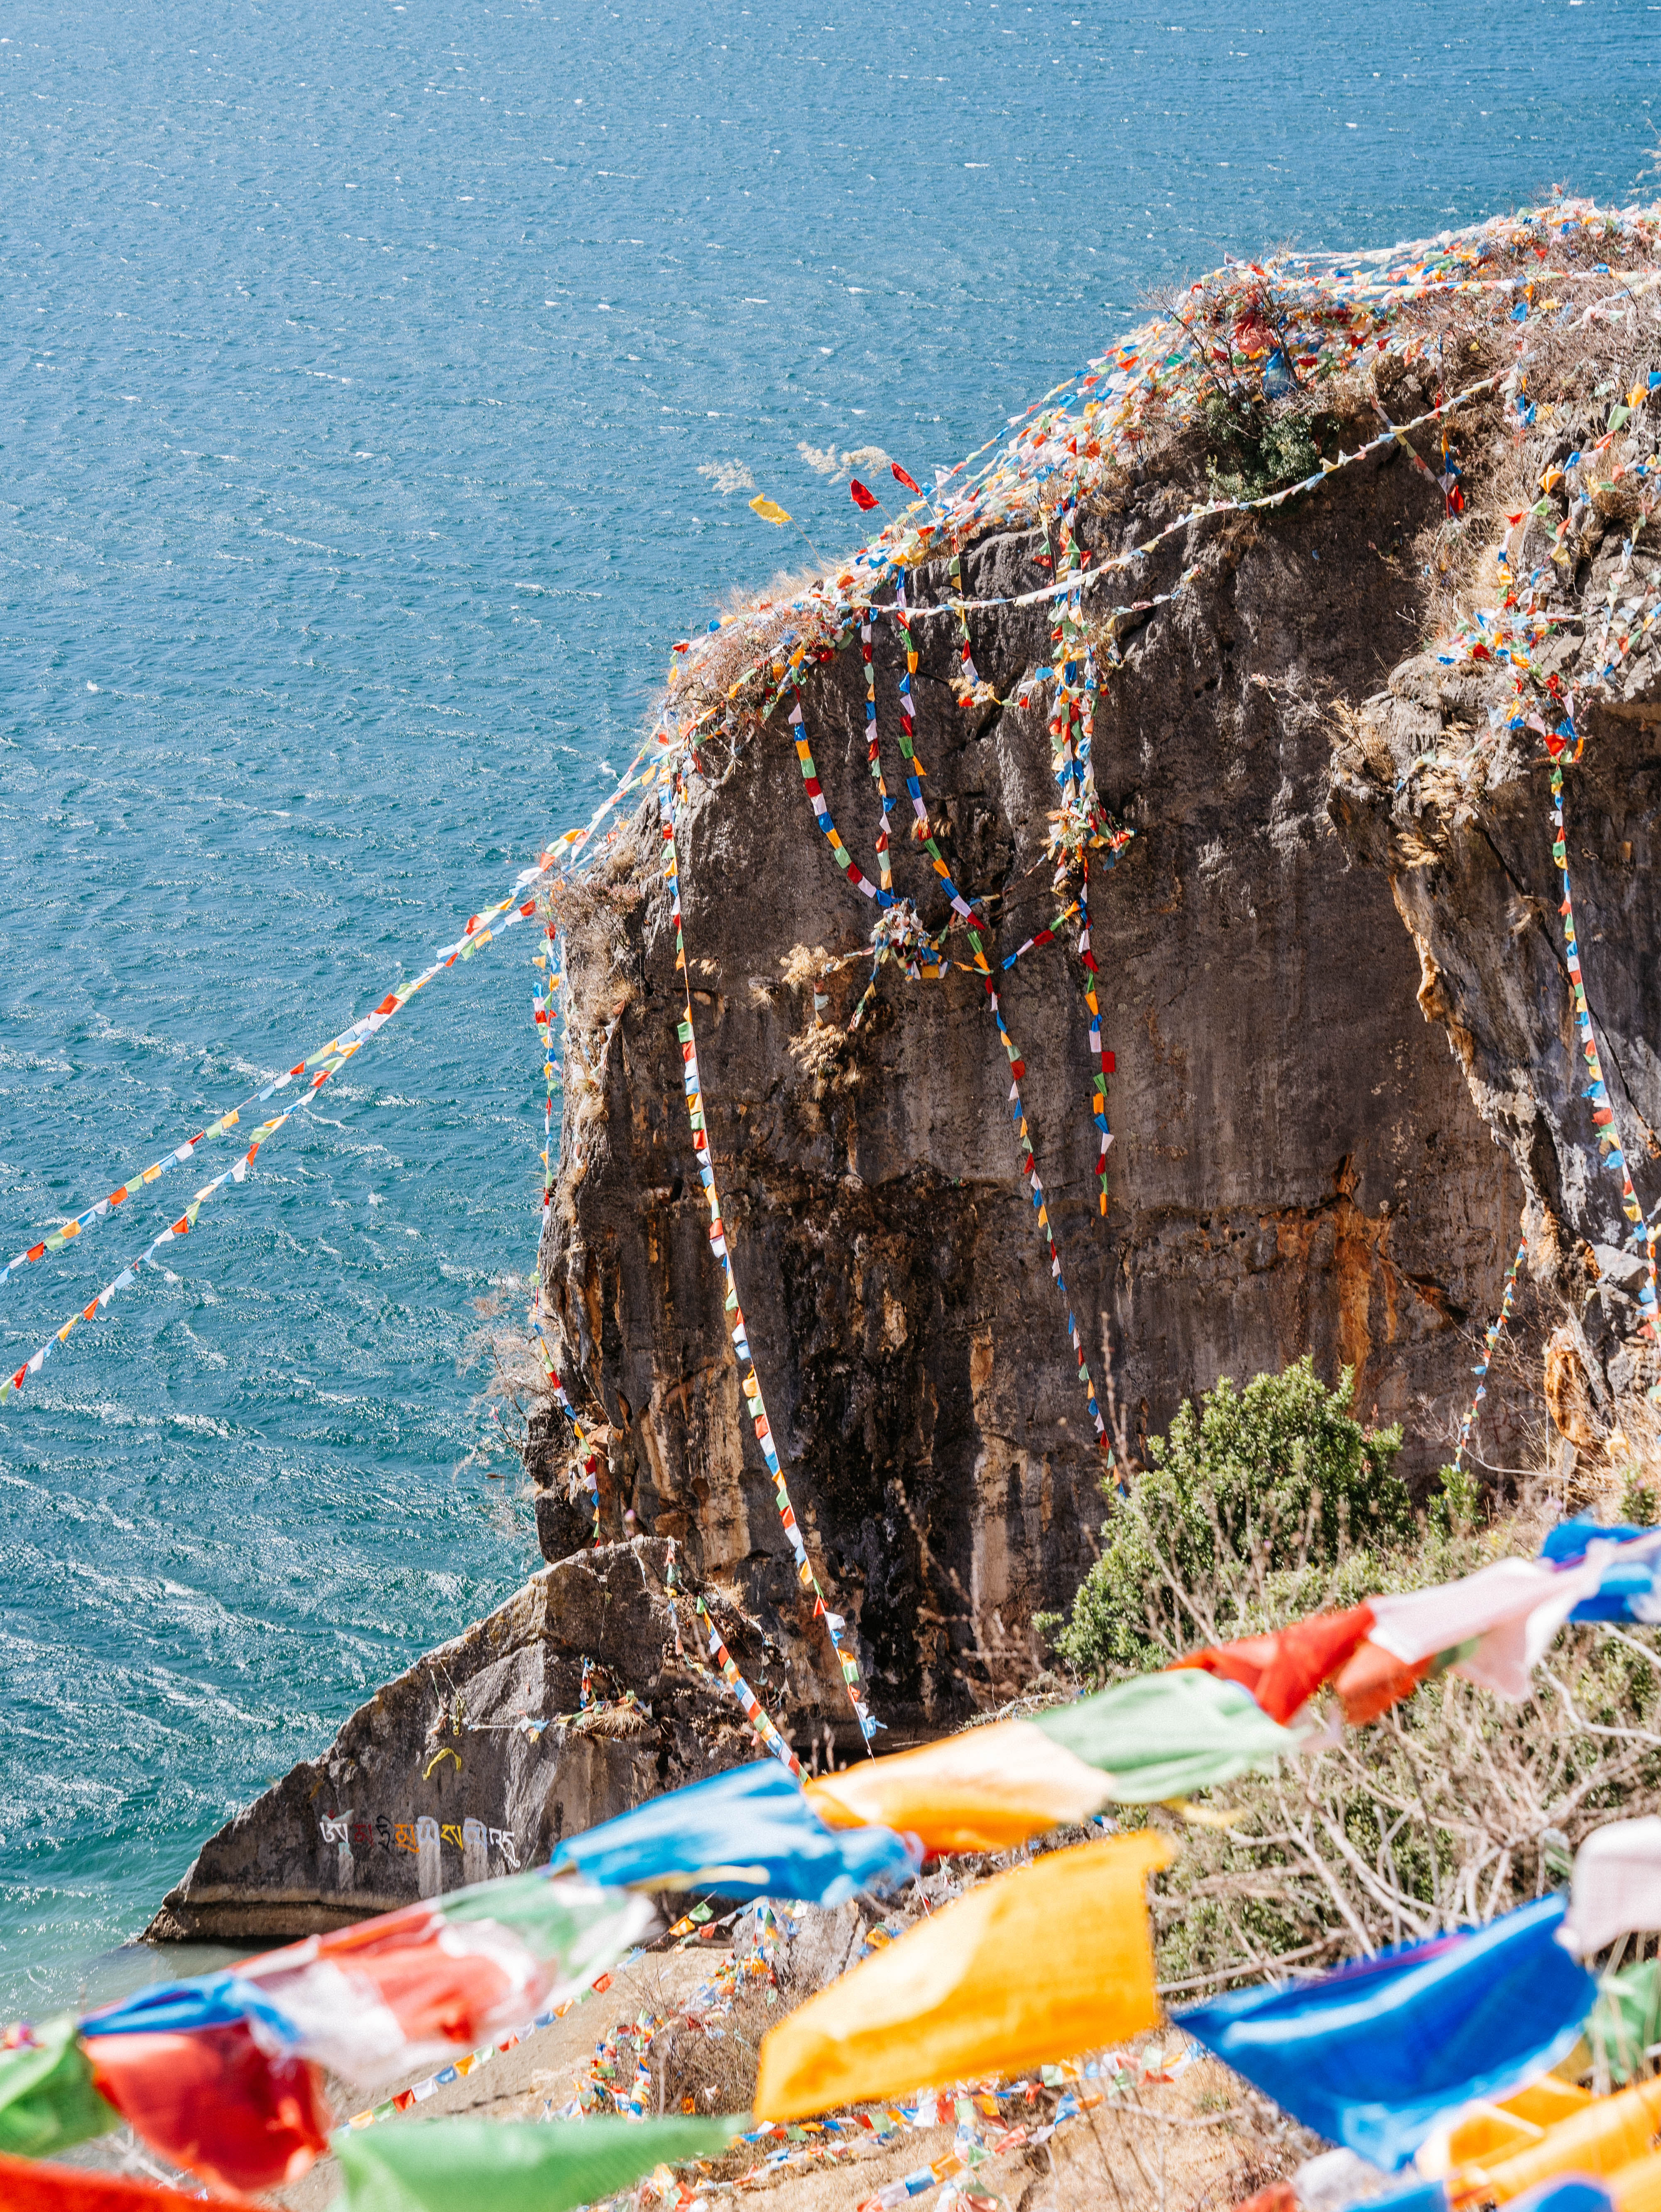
<point x="384" y="386"/>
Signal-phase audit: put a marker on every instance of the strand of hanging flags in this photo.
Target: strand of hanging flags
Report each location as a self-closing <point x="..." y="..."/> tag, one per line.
<point x="760" y="1722"/>
<point x="908" y="936"/>
<point x="836" y="1627"/>
<point x="481" y="929"/>
<point x="843" y="611"/>
<point x="223" y="2073"/>
<point x="232" y="1176"/>
<point x="545" y="1011"/>
<point x="1496" y="1329"/>
<point x="1128" y="379"/>
<point x="1609" y="1147"/>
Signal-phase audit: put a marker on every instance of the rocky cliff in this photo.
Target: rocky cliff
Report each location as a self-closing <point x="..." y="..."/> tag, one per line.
<point x="1299" y="1164"/>
<point x="583" y="1694"/>
<point x="1307" y="689"/>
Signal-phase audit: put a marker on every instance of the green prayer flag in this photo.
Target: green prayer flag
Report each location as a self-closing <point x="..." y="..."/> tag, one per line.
<point x="47" y="2101"/>
<point x="1627" y="2019"/>
<point x="523" y="2166"/>
<point x="571" y="1922"/>
<point x="1165" y="1734"/>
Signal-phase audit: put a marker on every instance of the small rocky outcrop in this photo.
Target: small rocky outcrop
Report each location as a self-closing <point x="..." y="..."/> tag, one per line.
<point x="438" y="1780"/>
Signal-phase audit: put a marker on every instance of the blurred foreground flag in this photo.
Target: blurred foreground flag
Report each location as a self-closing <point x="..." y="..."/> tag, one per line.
<point x="1036" y="1965"/>
<point x="1162" y="1736"/>
<point x="747" y="1833"/>
<point x="1372" y="2055"/>
<point x="515" y="2165"/>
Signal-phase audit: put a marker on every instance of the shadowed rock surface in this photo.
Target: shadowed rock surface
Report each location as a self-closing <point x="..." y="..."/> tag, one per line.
<point x="1470" y="862"/>
<point x="432" y="1784"/>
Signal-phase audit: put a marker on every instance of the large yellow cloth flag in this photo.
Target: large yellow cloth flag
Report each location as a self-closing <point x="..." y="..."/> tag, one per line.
<point x="1037" y="1963"/>
<point x="769" y="510"/>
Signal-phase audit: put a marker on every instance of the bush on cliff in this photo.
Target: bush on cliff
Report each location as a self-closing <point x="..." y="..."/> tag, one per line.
<point x="1262" y="1503"/>
<point x="1255" y="451"/>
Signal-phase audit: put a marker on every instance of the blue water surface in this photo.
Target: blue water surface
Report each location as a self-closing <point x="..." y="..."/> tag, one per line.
<point x="383" y="389"/>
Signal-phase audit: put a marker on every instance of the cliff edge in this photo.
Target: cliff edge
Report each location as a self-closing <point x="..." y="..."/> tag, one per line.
<point x="1299" y="1161"/>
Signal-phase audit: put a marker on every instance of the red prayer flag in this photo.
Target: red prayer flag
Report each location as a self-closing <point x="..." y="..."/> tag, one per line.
<point x="902" y="477"/>
<point x="211" y="2100"/>
<point x="1283" y="1671"/>
<point x="1374" y="1679"/>
<point x="28" y="2185"/>
<point x="862" y="496"/>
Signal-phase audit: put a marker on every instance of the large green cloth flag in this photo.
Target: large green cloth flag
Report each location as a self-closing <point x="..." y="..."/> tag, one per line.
<point x="514" y="2165"/>
<point x="1163" y="1735"/>
<point x="47" y="2100"/>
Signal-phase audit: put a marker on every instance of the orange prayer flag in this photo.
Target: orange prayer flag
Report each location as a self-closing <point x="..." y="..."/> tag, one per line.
<point x="984" y="1790"/>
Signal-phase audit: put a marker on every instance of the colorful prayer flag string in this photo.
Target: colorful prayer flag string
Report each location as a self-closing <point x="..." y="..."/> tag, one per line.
<point x="1642" y="1236"/>
<point x="835" y="1627"/>
<point x="873" y="754"/>
<point x="762" y="1727"/>
<point x="187" y="1221"/>
<point x="1040" y="1204"/>
<point x="481" y="929"/>
<point x="1496" y="1328"/>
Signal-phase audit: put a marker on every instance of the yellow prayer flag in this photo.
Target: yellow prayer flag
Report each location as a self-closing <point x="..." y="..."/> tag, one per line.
<point x="769" y="510"/>
<point x="1035" y="1965"/>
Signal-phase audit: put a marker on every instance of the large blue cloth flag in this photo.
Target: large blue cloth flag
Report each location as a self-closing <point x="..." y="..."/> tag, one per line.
<point x="748" y="1833"/>
<point x="1628" y="1589"/>
<point x="1372" y="2055"/>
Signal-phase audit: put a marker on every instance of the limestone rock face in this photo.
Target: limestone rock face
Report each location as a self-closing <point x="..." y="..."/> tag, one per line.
<point x="1299" y="1163"/>
<point x="1470" y="862"/>
<point x="434" y="1784"/>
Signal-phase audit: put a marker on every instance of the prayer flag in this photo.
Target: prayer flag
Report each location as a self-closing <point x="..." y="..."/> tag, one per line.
<point x="900" y="476"/>
<point x="1511" y="1611"/>
<point x="862" y="496"/>
<point x="985" y="1789"/>
<point x="1283" y="1671"/>
<point x="1372" y="2054"/>
<point x="769" y="510"/>
<point x="747" y="1833"/>
<point x="1611" y="2134"/>
<point x="1617" y="1885"/>
<point x="25" y="2186"/>
<point x="515" y="2165"/>
<point x="214" y="2102"/>
<point x="383" y="1995"/>
<point x="47" y="2100"/>
<point x="1034" y="1965"/>
<point x="1163" y="1735"/>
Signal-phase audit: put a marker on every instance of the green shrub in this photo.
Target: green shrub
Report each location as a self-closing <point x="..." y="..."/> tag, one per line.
<point x="1263" y="1504"/>
<point x="1255" y="451"/>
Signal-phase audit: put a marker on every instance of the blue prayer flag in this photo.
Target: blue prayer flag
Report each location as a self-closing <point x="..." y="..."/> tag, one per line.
<point x="1372" y="2055"/>
<point x="748" y="1833"/>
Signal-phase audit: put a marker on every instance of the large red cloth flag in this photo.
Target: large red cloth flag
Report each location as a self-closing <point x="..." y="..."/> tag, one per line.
<point x="1283" y="1671"/>
<point x="28" y="2185"/>
<point x="910" y="483"/>
<point x="213" y="2101"/>
<point x="862" y="496"/>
